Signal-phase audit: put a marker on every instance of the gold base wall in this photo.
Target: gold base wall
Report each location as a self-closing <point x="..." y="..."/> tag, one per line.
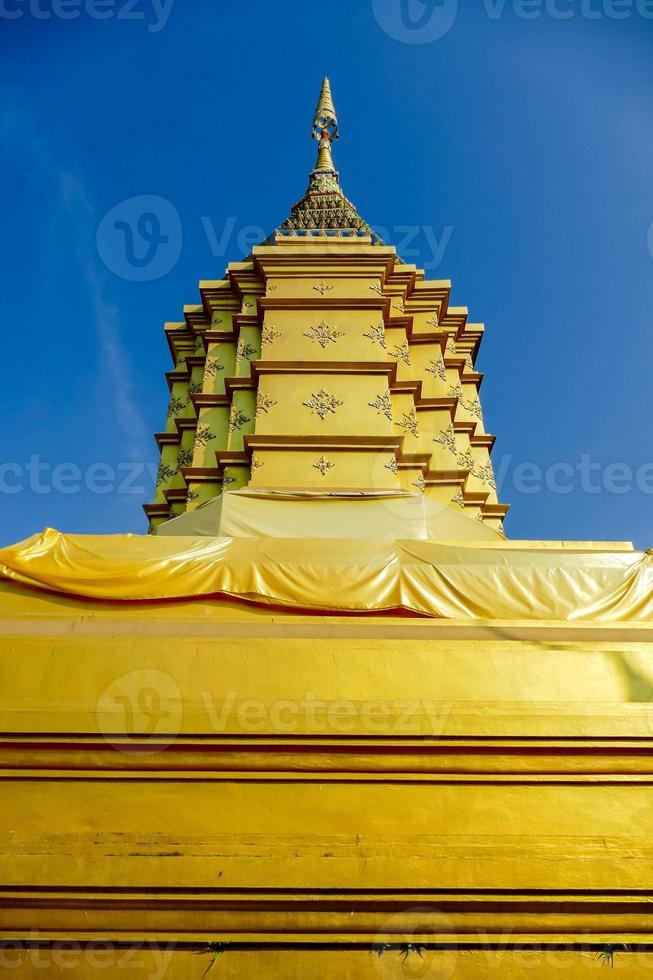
<point x="307" y="788"/>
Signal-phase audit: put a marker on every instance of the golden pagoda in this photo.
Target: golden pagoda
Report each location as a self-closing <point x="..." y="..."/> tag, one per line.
<point x="325" y="721"/>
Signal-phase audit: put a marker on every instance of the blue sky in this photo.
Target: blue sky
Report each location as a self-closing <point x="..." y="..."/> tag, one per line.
<point x="519" y="148"/>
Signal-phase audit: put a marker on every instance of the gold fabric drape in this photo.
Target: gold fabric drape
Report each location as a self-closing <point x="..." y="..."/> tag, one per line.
<point x="453" y="581"/>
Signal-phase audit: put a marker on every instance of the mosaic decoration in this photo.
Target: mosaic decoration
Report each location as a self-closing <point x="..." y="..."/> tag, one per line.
<point x="376" y="334"/>
<point x="409" y="422"/>
<point x="324" y="334"/>
<point x="324" y="207"/>
<point x="323" y="403"/>
<point x="323" y="465"/>
<point x="264" y="403"/>
<point x="383" y="405"/>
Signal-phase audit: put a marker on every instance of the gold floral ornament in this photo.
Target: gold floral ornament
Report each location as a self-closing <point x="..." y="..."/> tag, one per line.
<point x="213" y="367"/>
<point x="245" y="350"/>
<point x="469" y="364"/>
<point x="458" y="498"/>
<point x="199" y="342"/>
<point x="323" y="403"/>
<point x="164" y="473"/>
<point x="400" y="305"/>
<point x="486" y="475"/>
<point x="227" y="481"/>
<point x="455" y="391"/>
<point x="402" y="353"/>
<point x="437" y="368"/>
<point x="465" y="460"/>
<point x="324" y="334"/>
<point x="257" y="463"/>
<point x="383" y="405"/>
<point x="420" y="483"/>
<point x="501" y="529"/>
<point x="377" y="288"/>
<point x="270" y="287"/>
<point x="434" y="321"/>
<point x="237" y="419"/>
<point x="264" y="403"/>
<point x="215" y="320"/>
<point x="480" y="518"/>
<point x="247" y="305"/>
<point x="185" y="458"/>
<point x="323" y="288"/>
<point x="473" y="406"/>
<point x="191" y="495"/>
<point x="451" y="347"/>
<point x="323" y="465"/>
<point x="392" y="466"/>
<point x="447" y="439"/>
<point x="175" y="406"/>
<point x="269" y="334"/>
<point x="409" y="423"/>
<point x="203" y="436"/>
<point x="376" y="334"/>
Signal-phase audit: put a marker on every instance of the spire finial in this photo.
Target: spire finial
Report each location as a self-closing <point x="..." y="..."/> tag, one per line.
<point x="325" y="128"/>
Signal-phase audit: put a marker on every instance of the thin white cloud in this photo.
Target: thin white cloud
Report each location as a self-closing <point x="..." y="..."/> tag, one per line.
<point x="71" y="200"/>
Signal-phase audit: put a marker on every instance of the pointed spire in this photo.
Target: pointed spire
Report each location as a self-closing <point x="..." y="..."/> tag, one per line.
<point x="324" y="207"/>
<point x="325" y="128"/>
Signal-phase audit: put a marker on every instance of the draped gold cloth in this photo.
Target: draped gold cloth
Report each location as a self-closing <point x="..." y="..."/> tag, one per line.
<point x="442" y="580"/>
